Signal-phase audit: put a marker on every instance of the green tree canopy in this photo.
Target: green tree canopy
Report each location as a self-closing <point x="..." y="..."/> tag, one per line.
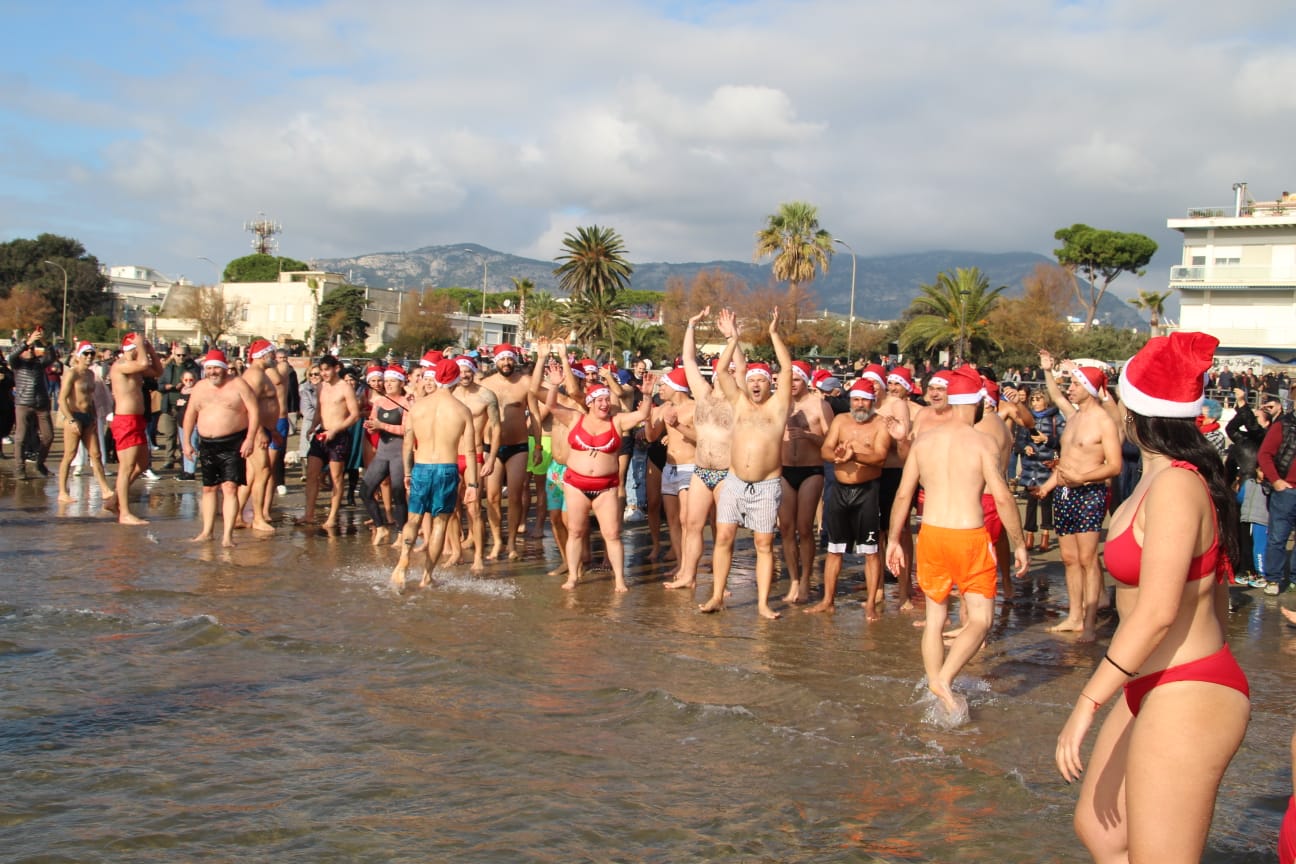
<point x="339" y="319"/>
<point x="261" y="268"/>
<point x="1094" y="253"/>
<point x="22" y="262"/>
<point x="954" y="312"/>
<point x="1152" y="302"/>
<point x="593" y="263"/>
<point x="799" y="247"/>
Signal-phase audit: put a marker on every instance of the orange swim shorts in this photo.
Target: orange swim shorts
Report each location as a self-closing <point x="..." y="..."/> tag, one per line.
<point x="955" y="556"/>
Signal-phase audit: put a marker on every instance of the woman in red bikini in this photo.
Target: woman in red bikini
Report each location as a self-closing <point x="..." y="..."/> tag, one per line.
<point x="593" y="471"/>
<point x="1149" y="788"/>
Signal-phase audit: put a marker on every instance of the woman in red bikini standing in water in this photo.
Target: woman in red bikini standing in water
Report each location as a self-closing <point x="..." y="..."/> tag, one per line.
<point x="1150" y="785"/>
<point x="593" y="471"/>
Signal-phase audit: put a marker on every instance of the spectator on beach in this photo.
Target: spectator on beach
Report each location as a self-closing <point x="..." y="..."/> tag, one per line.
<point x="1277" y="459"/>
<point x="29" y="359"/>
<point x="6" y="403"/>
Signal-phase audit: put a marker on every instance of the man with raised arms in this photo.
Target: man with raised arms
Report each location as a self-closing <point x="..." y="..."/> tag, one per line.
<point x="226" y="413"/>
<point x="557" y="372"/>
<point x="265" y="381"/>
<point x="713" y="424"/>
<point x="518" y="420"/>
<point x="857" y="445"/>
<point x="673" y="418"/>
<point x="483" y="405"/>
<point x="955" y="464"/>
<point x="80" y="422"/>
<point x="439" y="430"/>
<point x="1090" y="455"/>
<point x="137" y="361"/>
<point x="336" y="414"/>
<point x="750" y="494"/>
<point x="803" y="479"/>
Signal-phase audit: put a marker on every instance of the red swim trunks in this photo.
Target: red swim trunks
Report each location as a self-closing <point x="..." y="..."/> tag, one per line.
<point x="990" y="513"/>
<point x="955" y="556"/>
<point x="128" y="430"/>
<point x="463" y="463"/>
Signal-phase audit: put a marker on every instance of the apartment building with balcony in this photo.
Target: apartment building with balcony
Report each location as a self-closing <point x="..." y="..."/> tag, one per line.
<point x="1237" y="278"/>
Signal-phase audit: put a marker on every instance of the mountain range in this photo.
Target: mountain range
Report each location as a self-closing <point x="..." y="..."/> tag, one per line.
<point x="884" y="284"/>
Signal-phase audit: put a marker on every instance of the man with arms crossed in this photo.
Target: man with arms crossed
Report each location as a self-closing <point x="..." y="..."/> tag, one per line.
<point x="262" y="376"/>
<point x="955" y="464"/>
<point x="81" y="425"/>
<point x="130" y="417"/>
<point x="803" y="479"/>
<point x="1090" y="455"/>
<point x="225" y="411"/>
<point x="750" y="494"/>
<point x="438" y="431"/>
<point x="518" y="420"/>
<point x="335" y="416"/>
<point x="857" y="444"/>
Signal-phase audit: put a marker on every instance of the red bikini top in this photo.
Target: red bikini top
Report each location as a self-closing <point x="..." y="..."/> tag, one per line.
<point x="605" y="442"/>
<point x="1123" y="556"/>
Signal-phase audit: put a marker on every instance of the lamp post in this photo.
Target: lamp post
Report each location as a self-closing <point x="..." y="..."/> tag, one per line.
<point x="963" y="295"/>
<point x="850" y="323"/>
<point x="63" y="330"/>
<point x="482" y="342"/>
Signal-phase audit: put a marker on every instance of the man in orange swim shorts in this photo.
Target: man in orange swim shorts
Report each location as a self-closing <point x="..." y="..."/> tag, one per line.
<point x="956" y="464"/>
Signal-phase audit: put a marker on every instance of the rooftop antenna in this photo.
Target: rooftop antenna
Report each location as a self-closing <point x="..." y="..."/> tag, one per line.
<point x="263" y="234"/>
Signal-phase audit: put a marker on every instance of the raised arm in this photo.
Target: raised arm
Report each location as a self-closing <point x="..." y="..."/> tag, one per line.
<point x="1055" y="393"/>
<point x="729" y="329"/>
<point x="784" y="391"/>
<point x="696" y="380"/>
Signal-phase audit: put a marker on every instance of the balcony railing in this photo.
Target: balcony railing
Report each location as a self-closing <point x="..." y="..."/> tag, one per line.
<point x="1256" y="208"/>
<point x="1229" y="274"/>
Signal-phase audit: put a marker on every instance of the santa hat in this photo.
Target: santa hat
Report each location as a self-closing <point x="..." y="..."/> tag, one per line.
<point x="991" y="390"/>
<point x="759" y="369"/>
<point x="130" y="342"/>
<point x="596" y="393"/>
<point x="824" y="380"/>
<point x="863" y="388"/>
<point x="504" y="350"/>
<point x="589" y="367"/>
<point x="431" y="359"/>
<point x="447" y="373"/>
<point x="940" y="379"/>
<point x="677" y="380"/>
<point x="875" y="373"/>
<point x="466" y="362"/>
<point x="215" y="357"/>
<point x="801" y="369"/>
<point x="260" y="348"/>
<point x="373" y="370"/>
<point x="901" y="375"/>
<point x="394" y="372"/>
<point x="84" y="347"/>
<point x="1166" y="378"/>
<point x="1093" y="379"/>
<point x="964" y="386"/>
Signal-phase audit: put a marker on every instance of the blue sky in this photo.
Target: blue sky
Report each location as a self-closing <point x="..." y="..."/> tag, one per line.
<point x="153" y="131"/>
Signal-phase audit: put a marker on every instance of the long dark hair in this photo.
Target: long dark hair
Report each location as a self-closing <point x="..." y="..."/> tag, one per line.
<point x="1179" y="438"/>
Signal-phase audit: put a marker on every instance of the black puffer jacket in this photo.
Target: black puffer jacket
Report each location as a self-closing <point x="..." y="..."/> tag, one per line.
<point x="31" y="388"/>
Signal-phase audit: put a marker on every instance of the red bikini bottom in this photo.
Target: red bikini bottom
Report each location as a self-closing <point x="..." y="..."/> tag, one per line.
<point x="1217" y="668"/>
<point x="591" y="486"/>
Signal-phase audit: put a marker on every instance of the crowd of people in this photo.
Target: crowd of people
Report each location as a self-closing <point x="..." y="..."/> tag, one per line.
<point x="917" y="470"/>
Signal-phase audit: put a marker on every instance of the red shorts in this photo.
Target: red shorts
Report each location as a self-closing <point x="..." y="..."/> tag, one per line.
<point x="463" y="463"/>
<point x="128" y="431"/>
<point x="990" y="514"/>
<point x="956" y="556"/>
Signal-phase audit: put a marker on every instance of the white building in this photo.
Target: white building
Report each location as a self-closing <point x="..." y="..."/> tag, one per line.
<point x="1237" y="279"/>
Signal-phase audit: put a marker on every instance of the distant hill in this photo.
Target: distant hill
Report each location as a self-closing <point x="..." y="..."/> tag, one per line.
<point x="884" y="285"/>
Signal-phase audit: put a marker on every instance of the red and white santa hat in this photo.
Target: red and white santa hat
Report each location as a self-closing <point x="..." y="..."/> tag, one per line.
<point x="589" y="367"/>
<point x="759" y="369"/>
<point x="902" y="376"/>
<point x="130" y="341"/>
<point x="801" y="369"/>
<point x="991" y="390"/>
<point x="260" y="348"/>
<point x="215" y="357"/>
<point x="824" y="380"/>
<point x="504" y="350"/>
<point x="964" y="386"/>
<point x="596" y="393"/>
<point x="1092" y="379"/>
<point x="373" y="370"/>
<point x="447" y="373"/>
<point x="1166" y="378"/>
<point x="431" y="359"/>
<point x="394" y="372"/>
<point x="863" y="388"/>
<point x="876" y="374"/>
<point x="940" y="379"/>
<point x="84" y="347"/>
<point x="466" y="362"/>
<point x="677" y="380"/>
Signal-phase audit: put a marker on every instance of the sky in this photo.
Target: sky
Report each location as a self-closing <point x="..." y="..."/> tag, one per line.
<point x="152" y="131"/>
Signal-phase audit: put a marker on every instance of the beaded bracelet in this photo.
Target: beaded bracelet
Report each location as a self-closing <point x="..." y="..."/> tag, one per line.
<point x="1095" y="702"/>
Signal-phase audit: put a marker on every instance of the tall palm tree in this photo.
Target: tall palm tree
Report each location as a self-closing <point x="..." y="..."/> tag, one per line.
<point x="799" y="247"/>
<point x="543" y="315"/>
<point x="524" y="288"/>
<point x="593" y="318"/>
<point x="1152" y="302"/>
<point x="593" y="263"/>
<point x="952" y="312"/>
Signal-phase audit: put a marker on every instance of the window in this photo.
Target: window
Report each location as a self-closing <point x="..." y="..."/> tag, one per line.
<point x="1199" y="260"/>
<point x="1228" y="256"/>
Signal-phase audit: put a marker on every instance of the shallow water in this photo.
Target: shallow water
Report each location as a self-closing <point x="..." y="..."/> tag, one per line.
<point x="164" y="701"/>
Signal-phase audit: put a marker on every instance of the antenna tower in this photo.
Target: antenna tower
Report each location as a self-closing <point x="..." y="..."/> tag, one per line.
<point x="263" y="234"/>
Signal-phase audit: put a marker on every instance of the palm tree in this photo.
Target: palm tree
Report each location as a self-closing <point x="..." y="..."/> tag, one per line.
<point x="524" y="288"/>
<point x="593" y="319"/>
<point x="1152" y="302"/>
<point x="543" y="315"/>
<point x="954" y="311"/>
<point x="593" y="263"/>
<point x="799" y="247"/>
<point x="641" y="340"/>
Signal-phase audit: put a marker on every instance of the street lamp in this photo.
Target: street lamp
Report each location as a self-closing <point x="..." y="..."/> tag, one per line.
<point x="963" y="296"/>
<point x="63" y="331"/>
<point x="220" y="277"/>
<point x="482" y="342"/>
<point x="850" y="323"/>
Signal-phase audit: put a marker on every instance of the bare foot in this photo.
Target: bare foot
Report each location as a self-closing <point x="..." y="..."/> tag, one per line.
<point x="568" y="585"/>
<point x="301" y="520"/>
<point x="945" y="695"/>
<point x="262" y="525"/>
<point x="228" y="543"/>
<point x="397" y="581"/>
<point x="654" y="554"/>
<point x="495" y="552"/>
<point x="514" y="555"/>
<point x="678" y="583"/>
<point x="130" y="519"/>
<point x="110" y="503"/>
<point x="65" y="498"/>
<point x="329" y="524"/>
<point x="767" y="612"/>
<point x="621" y="587"/>
<point x="1087" y="636"/>
<point x="822" y="606"/>
<point x="381" y="535"/>
<point x="871" y="612"/>
<point x="560" y="570"/>
<point x="477" y="566"/>
<point x="711" y="605"/>
<point x="907" y="606"/>
<point x="1067" y="625"/>
<point x="794" y="594"/>
<point x="201" y="538"/>
<point x="426" y="581"/>
<point x="535" y="535"/>
<point x="1288" y="614"/>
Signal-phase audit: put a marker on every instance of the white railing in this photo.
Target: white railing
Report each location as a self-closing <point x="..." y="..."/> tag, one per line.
<point x="1228" y="274"/>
